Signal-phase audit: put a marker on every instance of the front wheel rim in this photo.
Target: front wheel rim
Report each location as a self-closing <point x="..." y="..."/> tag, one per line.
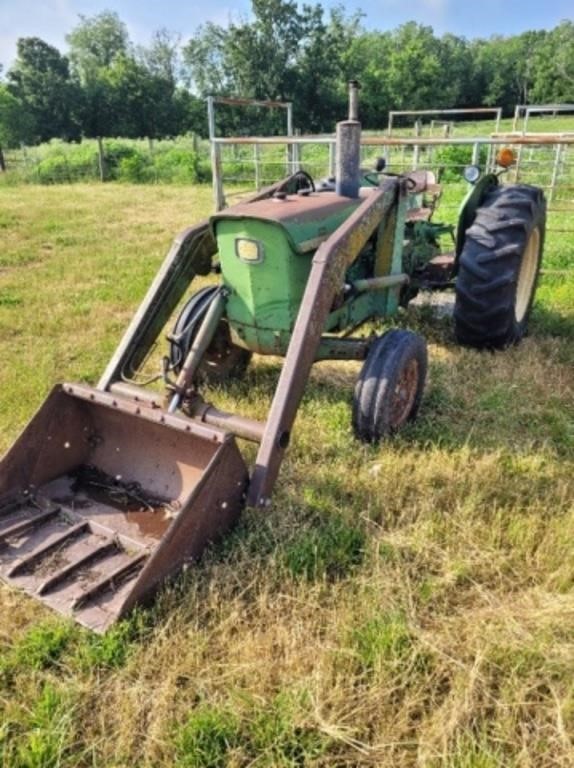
<point x="404" y="394"/>
<point x="527" y="275"/>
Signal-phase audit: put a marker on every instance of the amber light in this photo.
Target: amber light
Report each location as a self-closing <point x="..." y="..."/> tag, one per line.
<point x="505" y="157"/>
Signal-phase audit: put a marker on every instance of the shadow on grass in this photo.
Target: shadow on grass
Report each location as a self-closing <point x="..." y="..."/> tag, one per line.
<point x="548" y="322"/>
<point x="304" y="536"/>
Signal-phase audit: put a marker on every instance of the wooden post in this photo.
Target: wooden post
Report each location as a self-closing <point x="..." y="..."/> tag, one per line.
<point x="290" y="147"/>
<point x="475" y="153"/>
<point x="2" y="161"/>
<point x="296" y="160"/>
<point x="417" y="149"/>
<point x="101" y="159"/>
<point x="256" y="160"/>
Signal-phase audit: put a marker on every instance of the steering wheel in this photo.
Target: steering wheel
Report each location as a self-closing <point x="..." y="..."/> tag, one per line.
<point x="299" y="180"/>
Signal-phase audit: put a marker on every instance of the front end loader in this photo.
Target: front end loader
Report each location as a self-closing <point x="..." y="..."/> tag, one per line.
<point x="111" y="490"/>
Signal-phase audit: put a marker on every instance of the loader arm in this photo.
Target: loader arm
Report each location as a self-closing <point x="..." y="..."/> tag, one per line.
<point x="328" y="268"/>
<point x="191" y="254"/>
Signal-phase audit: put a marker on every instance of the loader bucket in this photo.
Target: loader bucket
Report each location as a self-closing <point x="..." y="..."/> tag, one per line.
<point x="102" y="498"/>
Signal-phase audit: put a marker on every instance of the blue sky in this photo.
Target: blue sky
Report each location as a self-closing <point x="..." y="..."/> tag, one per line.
<point x="52" y="19"/>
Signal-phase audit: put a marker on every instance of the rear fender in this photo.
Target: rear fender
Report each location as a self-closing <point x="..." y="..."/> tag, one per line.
<point x="471" y="203"/>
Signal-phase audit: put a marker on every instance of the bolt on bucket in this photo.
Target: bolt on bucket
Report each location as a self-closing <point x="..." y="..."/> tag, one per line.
<point x="102" y="498"/>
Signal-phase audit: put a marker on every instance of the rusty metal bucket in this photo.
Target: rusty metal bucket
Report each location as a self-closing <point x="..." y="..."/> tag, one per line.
<point x="103" y="498"/>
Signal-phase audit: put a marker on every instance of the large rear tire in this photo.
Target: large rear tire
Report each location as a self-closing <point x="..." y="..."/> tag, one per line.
<point x="498" y="267"/>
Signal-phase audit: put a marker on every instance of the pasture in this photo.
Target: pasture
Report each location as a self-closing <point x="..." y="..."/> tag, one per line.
<point x="409" y="604"/>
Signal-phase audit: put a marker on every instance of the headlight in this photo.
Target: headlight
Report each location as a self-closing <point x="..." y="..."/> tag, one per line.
<point x="471" y="173"/>
<point x="250" y="251"/>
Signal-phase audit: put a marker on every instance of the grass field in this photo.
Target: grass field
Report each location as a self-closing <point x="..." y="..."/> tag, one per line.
<point x="404" y="605"/>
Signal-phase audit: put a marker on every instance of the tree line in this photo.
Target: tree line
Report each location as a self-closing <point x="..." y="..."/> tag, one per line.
<point x="105" y="86"/>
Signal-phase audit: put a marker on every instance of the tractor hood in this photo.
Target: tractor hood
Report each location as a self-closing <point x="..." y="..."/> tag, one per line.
<point x="307" y="220"/>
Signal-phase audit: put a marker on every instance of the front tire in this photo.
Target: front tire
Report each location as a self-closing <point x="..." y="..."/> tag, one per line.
<point x="499" y="266"/>
<point x="390" y="386"/>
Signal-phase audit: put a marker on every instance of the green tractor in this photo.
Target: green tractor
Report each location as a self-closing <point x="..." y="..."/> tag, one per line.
<point x="110" y="490"/>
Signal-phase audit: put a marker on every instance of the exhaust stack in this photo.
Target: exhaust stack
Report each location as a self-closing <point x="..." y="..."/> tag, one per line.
<point x="349" y="148"/>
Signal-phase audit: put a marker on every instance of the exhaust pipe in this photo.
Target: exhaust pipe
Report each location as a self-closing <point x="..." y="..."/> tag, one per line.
<point x="348" y="158"/>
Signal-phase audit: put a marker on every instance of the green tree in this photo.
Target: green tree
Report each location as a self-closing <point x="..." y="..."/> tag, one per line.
<point x="142" y="102"/>
<point x="553" y="66"/>
<point x="323" y="70"/>
<point x="368" y="57"/>
<point x="126" y="92"/>
<point x="94" y="46"/>
<point x="161" y="57"/>
<point x="407" y="68"/>
<point x="40" y="81"/>
<point x="285" y="52"/>
<point x="96" y="42"/>
<point x="457" y="85"/>
<point x="15" y="122"/>
<point x="414" y="67"/>
<point x="505" y="68"/>
<point x="205" y="61"/>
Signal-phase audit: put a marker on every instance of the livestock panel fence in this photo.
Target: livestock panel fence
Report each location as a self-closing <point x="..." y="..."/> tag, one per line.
<point x="542" y="159"/>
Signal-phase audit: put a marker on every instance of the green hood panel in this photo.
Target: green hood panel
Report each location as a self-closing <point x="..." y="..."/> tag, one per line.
<point x="265" y="292"/>
<point x="306" y="220"/>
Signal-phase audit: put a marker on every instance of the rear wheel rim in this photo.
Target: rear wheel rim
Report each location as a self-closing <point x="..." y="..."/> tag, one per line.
<point x="404" y="394"/>
<point x="527" y="275"/>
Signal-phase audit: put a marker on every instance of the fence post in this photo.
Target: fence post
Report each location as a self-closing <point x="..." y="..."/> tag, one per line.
<point x="296" y="155"/>
<point x="290" y="147"/>
<point x="256" y="159"/>
<point x="217" y="182"/>
<point x="101" y="159"/>
<point x="417" y="149"/>
<point x="475" y="153"/>
<point x="2" y="161"/>
<point x="555" y="172"/>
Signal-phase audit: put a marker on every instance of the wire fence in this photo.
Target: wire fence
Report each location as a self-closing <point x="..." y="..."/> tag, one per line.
<point x="184" y="159"/>
<point x="544" y="160"/>
<point x="247" y="163"/>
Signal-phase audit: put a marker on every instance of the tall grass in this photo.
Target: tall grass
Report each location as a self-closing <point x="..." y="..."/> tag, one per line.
<point x="409" y="604"/>
<point x="186" y="159"/>
<point x="182" y="160"/>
